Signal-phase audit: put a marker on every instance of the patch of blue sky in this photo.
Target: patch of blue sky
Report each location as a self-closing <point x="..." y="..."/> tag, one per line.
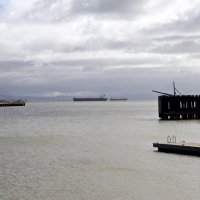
<point x="4" y="5"/>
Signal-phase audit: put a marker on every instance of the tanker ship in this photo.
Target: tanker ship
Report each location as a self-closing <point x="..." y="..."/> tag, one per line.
<point x="101" y="98"/>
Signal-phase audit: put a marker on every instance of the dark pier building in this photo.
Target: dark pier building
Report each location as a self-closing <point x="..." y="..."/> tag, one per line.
<point x="172" y="106"/>
<point x="179" y="107"/>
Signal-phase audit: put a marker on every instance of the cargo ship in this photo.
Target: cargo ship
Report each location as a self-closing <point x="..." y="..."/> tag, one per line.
<point x="118" y="99"/>
<point x="101" y="98"/>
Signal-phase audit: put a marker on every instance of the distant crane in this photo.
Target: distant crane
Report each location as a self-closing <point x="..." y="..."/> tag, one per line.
<point x="174" y="89"/>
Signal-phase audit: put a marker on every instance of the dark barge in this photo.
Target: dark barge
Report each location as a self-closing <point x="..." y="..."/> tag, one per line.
<point x="172" y="106"/>
<point x="179" y="148"/>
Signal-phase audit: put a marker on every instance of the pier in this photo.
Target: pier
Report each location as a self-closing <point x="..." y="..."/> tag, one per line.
<point x="179" y="107"/>
<point x="179" y="148"/>
<point x="175" y="107"/>
<point x="7" y="100"/>
<point x="12" y="103"/>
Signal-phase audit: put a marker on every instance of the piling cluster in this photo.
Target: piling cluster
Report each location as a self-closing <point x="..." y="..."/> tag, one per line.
<point x="179" y="107"/>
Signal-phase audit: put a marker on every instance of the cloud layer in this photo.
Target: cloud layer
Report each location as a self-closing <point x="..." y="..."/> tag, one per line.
<point x="81" y="47"/>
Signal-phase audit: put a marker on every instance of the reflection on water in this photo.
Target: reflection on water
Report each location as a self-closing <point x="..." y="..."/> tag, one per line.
<point x="98" y="150"/>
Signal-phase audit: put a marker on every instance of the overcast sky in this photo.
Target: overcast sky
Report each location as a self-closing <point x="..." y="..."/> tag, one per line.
<point x="93" y="47"/>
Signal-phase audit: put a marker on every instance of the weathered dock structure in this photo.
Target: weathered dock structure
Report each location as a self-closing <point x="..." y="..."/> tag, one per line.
<point x="179" y="107"/>
<point x="179" y="148"/>
<point x="172" y="106"/>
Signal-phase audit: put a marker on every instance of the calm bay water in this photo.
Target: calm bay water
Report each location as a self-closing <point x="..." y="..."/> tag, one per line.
<point x="94" y="151"/>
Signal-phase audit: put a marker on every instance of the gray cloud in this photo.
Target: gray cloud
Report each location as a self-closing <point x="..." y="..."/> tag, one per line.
<point x="177" y="38"/>
<point x="179" y="47"/>
<point x="187" y="24"/>
<point x="92" y="44"/>
<point x="133" y="83"/>
<point x="14" y="65"/>
<point x="46" y="11"/>
<point x="190" y="24"/>
<point x="73" y="47"/>
<point x="107" y="6"/>
<point x="107" y="62"/>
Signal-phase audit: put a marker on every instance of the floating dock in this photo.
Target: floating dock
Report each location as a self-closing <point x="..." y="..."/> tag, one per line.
<point x="179" y="148"/>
